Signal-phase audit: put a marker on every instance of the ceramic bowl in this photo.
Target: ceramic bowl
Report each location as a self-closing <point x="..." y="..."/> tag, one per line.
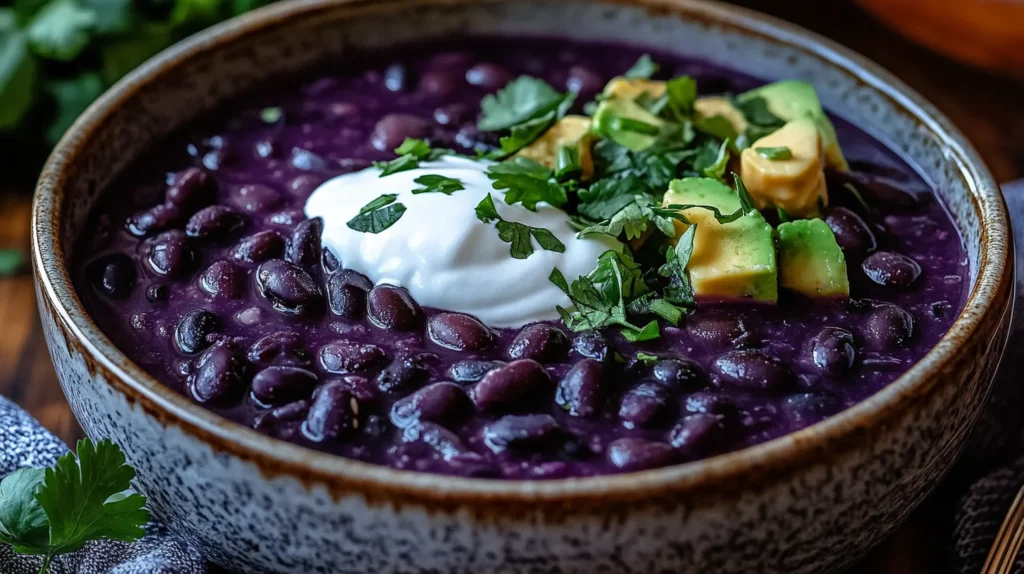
<point x="811" y="501"/>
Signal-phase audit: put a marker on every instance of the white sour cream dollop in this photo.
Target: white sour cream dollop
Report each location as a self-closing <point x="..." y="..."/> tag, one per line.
<point x="443" y="254"/>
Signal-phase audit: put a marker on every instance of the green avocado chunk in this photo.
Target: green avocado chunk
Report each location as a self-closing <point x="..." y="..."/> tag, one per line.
<point x="810" y="260"/>
<point x="792" y="99"/>
<point x="627" y="123"/>
<point x="730" y="261"/>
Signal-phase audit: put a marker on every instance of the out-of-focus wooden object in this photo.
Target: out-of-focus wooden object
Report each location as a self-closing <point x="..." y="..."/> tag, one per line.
<point x="986" y="33"/>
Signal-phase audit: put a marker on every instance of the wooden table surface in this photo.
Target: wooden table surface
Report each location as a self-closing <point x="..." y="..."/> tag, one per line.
<point x="988" y="109"/>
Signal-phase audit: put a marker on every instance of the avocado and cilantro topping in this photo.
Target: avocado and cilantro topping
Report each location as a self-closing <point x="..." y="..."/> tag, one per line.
<point x="810" y="260"/>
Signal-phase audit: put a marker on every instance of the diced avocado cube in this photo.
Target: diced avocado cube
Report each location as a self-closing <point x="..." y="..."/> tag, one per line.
<point x="718" y="106"/>
<point x="792" y="99"/>
<point x="795" y="183"/>
<point x="631" y="88"/>
<point x="730" y="260"/>
<point x="627" y="123"/>
<point x="570" y="131"/>
<point x="810" y="260"/>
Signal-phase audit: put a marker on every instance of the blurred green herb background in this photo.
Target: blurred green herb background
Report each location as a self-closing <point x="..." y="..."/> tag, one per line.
<point x="57" y="56"/>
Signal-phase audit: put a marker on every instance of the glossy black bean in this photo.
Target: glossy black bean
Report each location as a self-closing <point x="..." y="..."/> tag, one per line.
<point x="114" y="275"/>
<point x="280" y="348"/>
<point x="406" y="371"/>
<point x="392" y="308"/>
<point x="439" y="440"/>
<point x="259" y="247"/>
<point x="345" y="356"/>
<point x="292" y="412"/>
<point x="459" y="332"/>
<point x="698" y="434"/>
<point x="304" y="244"/>
<point x="512" y="387"/>
<point x="282" y="384"/>
<point x="393" y="129"/>
<point x="716" y="327"/>
<point x="648" y="404"/>
<point x="438" y="83"/>
<point x="887" y="327"/>
<point x="471" y="371"/>
<point x="631" y="454"/>
<point x="581" y="392"/>
<point x="442" y="403"/>
<point x="288" y="288"/>
<point x="158" y="293"/>
<point x="592" y="345"/>
<point x="891" y="269"/>
<point x="215" y="159"/>
<point x="192" y="189"/>
<point x="451" y="114"/>
<point x="541" y="342"/>
<point x="583" y="80"/>
<point x="832" y="350"/>
<point x="305" y="160"/>
<point x="154" y="219"/>
<point x="169" y="254"/>
<point x="852" y="234"/>
<point x="214" y="222"/>
<point x="335" y="413"/>
<point x="753" y="371"/>
<point x="254" y="197"/>
<point x="805" y="409"/>
<point x="679" y="374"/>
<point x="303" y="185"/>
<point x="395" y="78"/>
<point x="344" y="299"/>
<point x="330" y="262"/>
<point x="195" y="330"/>
<point x="701" y="402"/>
<point x="220" y="375"/>
<point x="521" y="432"/>
<point x="223" y="280"/>
<point x="491" y="77"/>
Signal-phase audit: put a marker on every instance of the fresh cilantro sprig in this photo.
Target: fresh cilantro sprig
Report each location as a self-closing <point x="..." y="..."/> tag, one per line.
<point x="378" y="215"/>
<point x="633" y="220"/>
<point x="433" y="183"/>
<point x="54" y="511"/>
<point x="527" y="182"/>
<point x="517" y="234"/>
<point x="643" y="69"/>
<point x="527" y="107"/>
<point x="410" y="154"/>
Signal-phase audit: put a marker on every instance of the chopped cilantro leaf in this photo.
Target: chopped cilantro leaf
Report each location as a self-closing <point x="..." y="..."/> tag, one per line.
<point x="271" y="115"/>
<point x="410" y="154"/>
<point x="378" y="215"/>
<point x="649" y="332"/>
<point x="643" y="69"/>
<point x="782" y="215"/>
<point x="517" y="234"/>
<point x="634" y="219"/>
<point x="679" y="290"/>
<point x="523" y="99"/>
<point x="756" y="112"/>
<point x="774" y="153"/>
<point x="682" y="95"/>
<point x="621" y="124"/>
<point x="600" y="296"/>
<point x="606" y="197"/>
<point x="522" y="135"/>
<point x="567" y="163"/>
<point x="415" y="147"/>
<point x="717" y="169"/>
<point x="647" y="358"/>
<point x="437" y="184"/>
<point x="746" y="201"/>
<point x="527" y="182"/>
<point x="717" y="126"/>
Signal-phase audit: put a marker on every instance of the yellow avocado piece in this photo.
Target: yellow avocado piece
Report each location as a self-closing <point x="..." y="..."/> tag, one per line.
<point x="810" y="260"/>
<point x="793" y="184"/>
<point x="631" y="88"/>
<point x="712" y="106"/>
<point x="730" y="260"/>
<point x="570" y="131"/>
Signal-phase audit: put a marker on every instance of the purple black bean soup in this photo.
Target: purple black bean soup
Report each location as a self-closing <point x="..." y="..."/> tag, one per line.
<point x="568" y="259"/>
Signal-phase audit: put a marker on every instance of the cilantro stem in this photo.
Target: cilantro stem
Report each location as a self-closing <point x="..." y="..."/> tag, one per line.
<point x="631" y="125"/>
<point x="46" y="563"/>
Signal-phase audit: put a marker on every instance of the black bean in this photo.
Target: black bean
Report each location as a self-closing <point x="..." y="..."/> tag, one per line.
<point x="305" y="160"/>
<point x="114" y="275"/>
<point x="646" y="405"/>
<point x="303" y="185"/>
<point x="521" y="432"/>
<point x="288" y="288"/>
<point x="459" y="332"/>
<point x="488" y="76"/>
<point x="334" y="414"/>
<point x="805" y="409"/>
<point x="638" y="454"/>
<point x="304" y="245"/>
<point x="223" y="280"/>
<point x="259" y="247"/>
<point x="592" y="345"/>
<point x="154" y="219"/>
<point x="513" y="386"/>
<point x="192" y="189"/>
<point x="345" y="356"/>
<point x="254" y="197"/>
<point x="891" y="269"/>
<point x="406" y="371"/>
<point x="852" y="234"/>
<point x="157" y="293"/>
<point x="393" y="129"/>
<point x="395" y="78"/>
<point x="169" y="253"/>
<point x="712" y="403"/>
<point x="581" y="392"/>
<point x="753" y="371"/>
<point x="265" y="148"/>
<point x="220" y="374"/>
<point x="451" y="114"/>
<point x="716" y="327"/>
<point x="292" y="412"/>
<point x="471" y="371"/>
<point x="697" y="434"/>
<point x="362" y="388"/>
<point x="195" y="329"/>
<point x="679" y="374"/>
<point x="214" y="222"/>
<point x="887" y="327"/>
<point x="392" y="308"/>
<point x="541" y="342"/>
<point x="438" y="82"/>
<point x="344" y="299"/>
<point x="438" y="439"/>
<point x="442" y="403"/>
<point x="287" y="217"/>
<point x="583" y="80"/>
<point x="280" y="348"/>
<point x="218" y="158"/>
<point x="832" y="350"/>
<point x="282" y="384"/>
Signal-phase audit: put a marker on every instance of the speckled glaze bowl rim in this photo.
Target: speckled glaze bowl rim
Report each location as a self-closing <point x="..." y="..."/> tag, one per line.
<point x="739" y="469"/>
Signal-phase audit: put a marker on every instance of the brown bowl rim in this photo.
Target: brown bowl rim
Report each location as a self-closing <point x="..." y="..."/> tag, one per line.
<point x="738" y="469"/>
